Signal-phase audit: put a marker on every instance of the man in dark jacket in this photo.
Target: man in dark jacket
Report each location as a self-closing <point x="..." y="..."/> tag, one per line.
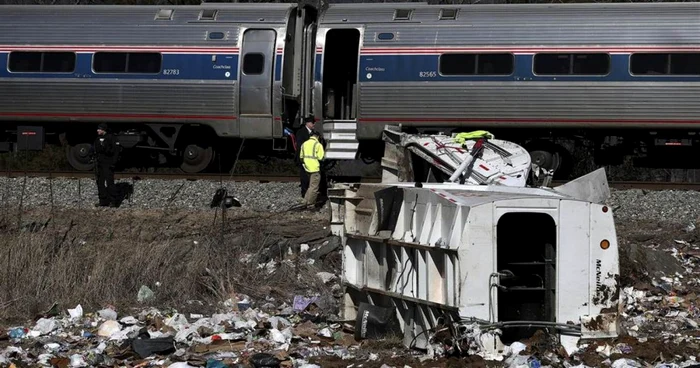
<point x="106" y="150"/>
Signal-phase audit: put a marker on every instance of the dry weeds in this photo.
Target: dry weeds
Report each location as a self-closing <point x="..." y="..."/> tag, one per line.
<point x="102" y="257"/>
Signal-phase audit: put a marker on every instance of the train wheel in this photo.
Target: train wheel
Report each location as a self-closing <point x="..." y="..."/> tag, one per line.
<point x="546" y="159"/>
<point x="550" y="156"/>
<point x="196" y="158"/>
<point x="78" y="156"/>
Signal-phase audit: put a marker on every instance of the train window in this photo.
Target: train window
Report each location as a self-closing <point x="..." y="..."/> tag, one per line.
<point x="25" y="62"/>
<point x="685" y="64"/>
<point x="591" y="64"/>
<point x="109" y="62"/>
<point x="208" y="14"/>
<point x="58" y="62"/>
<point x="649" y="64"/>
<point x="216" y="35"/>
<point x="164" y="14"/>
<point x="572" y="64"/>
<point x="470" y="64"/>
<point x="448" y="14"/>
<point x="41" y="62"/>
<point x="660" y="64"/>
<point x="403" y="14"/>
<point x="253" y="63"/>
<point x="494" y="64"/>
<point x="122" y="62"/>
<point x="552" y="63"/>
<point x="385" y="36"/>
<point x="457" y="64"/>
<point x="144" y="63"/>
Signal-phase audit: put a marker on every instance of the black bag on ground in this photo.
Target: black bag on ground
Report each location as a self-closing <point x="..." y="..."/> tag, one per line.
<point x="374" y="322"/>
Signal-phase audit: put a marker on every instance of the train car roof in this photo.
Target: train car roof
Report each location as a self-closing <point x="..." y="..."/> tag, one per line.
<point x="422" y="12"/>
<point x="132" y="24"/>
<point x="421" y="24"/>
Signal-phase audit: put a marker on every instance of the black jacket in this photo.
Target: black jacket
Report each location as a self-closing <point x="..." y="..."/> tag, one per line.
<point x="106" y="149"/>
<point x="302" y="136"/>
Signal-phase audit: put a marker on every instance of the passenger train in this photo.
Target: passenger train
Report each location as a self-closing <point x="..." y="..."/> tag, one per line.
<point x="179" y="83"/>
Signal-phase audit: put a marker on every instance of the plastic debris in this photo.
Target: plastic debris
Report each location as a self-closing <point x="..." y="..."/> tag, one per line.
<point x="301" y="303"/>
<point x="147" y="347"/>
<point x="18" y="333"/>
<point x="625" y="363"/>
<point x="326" y="277"/>
<point x="107" y="314"/>
<point x="109" y="328"/>
<point x="145" y="294"/>
<point x="264" y="360"/>
<point x="44" y="326"/>
<point x="76" y="313"/>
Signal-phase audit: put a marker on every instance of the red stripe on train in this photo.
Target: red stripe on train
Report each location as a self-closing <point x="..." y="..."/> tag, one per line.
<point x="526" y="120"/>
<point x="113" y="115"/>
<point x="434" y="50"/>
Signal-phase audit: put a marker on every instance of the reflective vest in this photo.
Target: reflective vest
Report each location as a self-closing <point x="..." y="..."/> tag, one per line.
<point x="311" y="153"/>
<point x="462" y="137"/>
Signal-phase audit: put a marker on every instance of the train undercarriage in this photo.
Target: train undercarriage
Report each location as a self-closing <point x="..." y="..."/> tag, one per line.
<point x="564" y="151"/>
<point x="191" y="148"/>
<point x="195" y="148"/>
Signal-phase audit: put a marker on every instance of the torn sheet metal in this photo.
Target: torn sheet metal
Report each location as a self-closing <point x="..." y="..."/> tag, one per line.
<point x="430" y="252"/>
<point x="498" y="162"/>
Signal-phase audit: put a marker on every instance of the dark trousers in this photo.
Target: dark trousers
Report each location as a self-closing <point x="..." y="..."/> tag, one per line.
<point x="304" y="176"/>
<point x="106" y="190"/>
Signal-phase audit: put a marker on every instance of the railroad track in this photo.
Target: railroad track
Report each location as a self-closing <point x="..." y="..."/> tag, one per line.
<point x="621" y="185"/>
<point x="179" y="176"/>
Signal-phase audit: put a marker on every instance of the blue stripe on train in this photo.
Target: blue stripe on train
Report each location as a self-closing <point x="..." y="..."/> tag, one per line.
<point x="424" y="68"/>
<point x="174" y="67"/>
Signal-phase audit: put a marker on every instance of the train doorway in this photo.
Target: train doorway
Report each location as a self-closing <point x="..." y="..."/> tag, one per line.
<point x="340" y="74"/>
<point x="255" y="98"/>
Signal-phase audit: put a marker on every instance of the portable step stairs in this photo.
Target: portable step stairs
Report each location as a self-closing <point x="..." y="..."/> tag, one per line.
<point x="341" y="138"/>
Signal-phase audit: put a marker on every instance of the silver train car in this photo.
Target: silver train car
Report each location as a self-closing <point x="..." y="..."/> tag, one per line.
<point x="184" y="81"/>
<point x="171" y="80"/>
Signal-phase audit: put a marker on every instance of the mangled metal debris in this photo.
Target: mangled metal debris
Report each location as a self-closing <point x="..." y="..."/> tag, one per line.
<point x="471" y="267"/>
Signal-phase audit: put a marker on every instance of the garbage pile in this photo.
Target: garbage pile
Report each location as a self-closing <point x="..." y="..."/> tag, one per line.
<point x="268" y="336"/>
<point x="660" y="320"/>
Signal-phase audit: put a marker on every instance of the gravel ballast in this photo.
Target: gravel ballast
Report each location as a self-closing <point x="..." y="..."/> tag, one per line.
<point x="674" y="206"/>
<point x="149" y="193"/>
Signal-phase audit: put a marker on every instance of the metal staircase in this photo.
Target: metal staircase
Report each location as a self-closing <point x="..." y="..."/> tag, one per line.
<point x="341" y="138"/>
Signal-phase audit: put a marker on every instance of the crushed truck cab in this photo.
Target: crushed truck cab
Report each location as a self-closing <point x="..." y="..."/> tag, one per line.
<point x="510" y="260"/>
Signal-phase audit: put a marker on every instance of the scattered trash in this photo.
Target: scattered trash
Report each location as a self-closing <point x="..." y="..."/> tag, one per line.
<point x="273" y="333"/>
<point x="145" y="294"/>
<point x="145" y="347"/>
<point x="109" y="328"/>
<point x="301" y="303"/>
<point x="76" y="313"/>
<point x="375" y="322"/>
<point x="263" y="360"/>
<point x="326" y="277"/>
<point x="107" y="314"/>
<point x="18" y="333"/>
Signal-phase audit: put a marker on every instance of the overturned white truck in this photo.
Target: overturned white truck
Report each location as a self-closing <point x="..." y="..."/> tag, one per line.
<point x="444" y="258"/>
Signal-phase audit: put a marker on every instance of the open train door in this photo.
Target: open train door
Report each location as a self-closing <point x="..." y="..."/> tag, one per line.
<point x="255" y="94"/>
<point x="341" y="48"/>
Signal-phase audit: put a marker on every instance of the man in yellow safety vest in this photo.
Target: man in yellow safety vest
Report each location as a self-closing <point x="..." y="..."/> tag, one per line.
<point x="311" y="154"/>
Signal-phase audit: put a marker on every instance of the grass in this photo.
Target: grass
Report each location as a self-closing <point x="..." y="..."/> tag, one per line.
<point x="103" y="257"/>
